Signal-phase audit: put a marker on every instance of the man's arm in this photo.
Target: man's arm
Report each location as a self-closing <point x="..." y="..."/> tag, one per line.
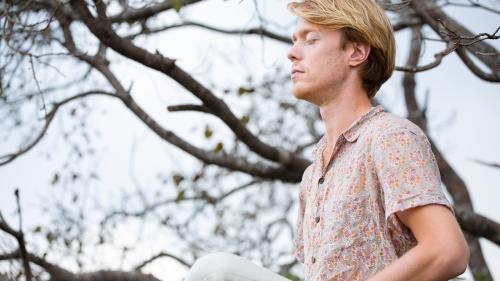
<point x="441" y="253"/>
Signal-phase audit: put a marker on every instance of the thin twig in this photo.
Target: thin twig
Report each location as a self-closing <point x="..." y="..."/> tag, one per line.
<point x="44" y="108"/>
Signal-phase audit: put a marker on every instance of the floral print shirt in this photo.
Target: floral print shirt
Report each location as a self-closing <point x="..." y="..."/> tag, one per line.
<point x="347" y="228"/>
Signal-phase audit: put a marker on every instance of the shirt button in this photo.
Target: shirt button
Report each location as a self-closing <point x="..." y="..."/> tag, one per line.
<point x="321" y="180"/>
<point x="316" y="219"/>
<point x="313" y="259"/>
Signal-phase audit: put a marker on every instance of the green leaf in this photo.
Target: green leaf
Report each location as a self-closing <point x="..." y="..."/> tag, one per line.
<point x="50" y="237"/>
<point x="176" y="4"/>
<point x="245" y="119"/>
<point x="218" y="147"/>
<point x="243" y="90"/>
<point x="38" y="229"/>
<point x="180" y="196"/>
<point x="217" y="229"/>
<point x="55" y="179"/>
<point x="177" y="179"/>
<point x="208" y="132"/>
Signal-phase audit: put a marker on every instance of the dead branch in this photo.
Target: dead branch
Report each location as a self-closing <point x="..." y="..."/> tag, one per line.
<point x="232" y="163"/>
<point x="102" y="30"/>
<point x="162" y="255"/>
<point x="431" y="14"/>
<point x="472" y="39"/>
<point x="471" y="5"/>
<point x="189" y="107"/>
<point x="60" y="274"/>
<point x="478" y="225"/>
<point x="48" y="120"/>
<point x="494" y="165"/>
<point x="19" y="236"/>
<point x="132" y="15"/>
<point x="252" y="31"/>
<point x="438" y="59"/>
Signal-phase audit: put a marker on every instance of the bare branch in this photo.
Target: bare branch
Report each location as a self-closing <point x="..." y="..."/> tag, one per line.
<point x="20" y="239"/>
<point x="19" y="236"/>
<point x="106" y="34"/>
<point x="48" y="119"/>
<point x="491" y="77"/>
<point x="431" y="14"/>
<point x="478" y="225"/>
<point x="471" y="5"/>
<point x="439" y="57"/>
<point x="473" y="39"/>
<point x="395" y="6"/>
<point x="162" y="255"/>
<point x="132" y="15"/>
<point x="256" y="31"/>
<point x="452" y="181"/>
<point x="495" y="165"/>
<point x="189" y="107"/>
<point x="60" y="274"/>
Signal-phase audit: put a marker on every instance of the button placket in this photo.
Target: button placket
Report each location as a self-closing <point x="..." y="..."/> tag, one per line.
<point x="321" y="198"/>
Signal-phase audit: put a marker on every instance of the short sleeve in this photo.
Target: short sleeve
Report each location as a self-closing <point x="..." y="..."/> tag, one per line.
<point x="407" y="171"/>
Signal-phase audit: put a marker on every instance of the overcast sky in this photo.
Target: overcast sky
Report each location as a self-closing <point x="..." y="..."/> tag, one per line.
<point x="462" y="110"/>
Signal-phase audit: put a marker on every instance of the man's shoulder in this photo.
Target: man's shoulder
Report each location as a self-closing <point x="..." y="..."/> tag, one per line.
<point x="386" y="123"/>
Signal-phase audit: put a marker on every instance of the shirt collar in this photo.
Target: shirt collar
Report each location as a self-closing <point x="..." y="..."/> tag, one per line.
<point x="352" y="133"/>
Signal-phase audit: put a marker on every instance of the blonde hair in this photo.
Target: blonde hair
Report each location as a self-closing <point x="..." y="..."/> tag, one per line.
<point x="362" y="21"/>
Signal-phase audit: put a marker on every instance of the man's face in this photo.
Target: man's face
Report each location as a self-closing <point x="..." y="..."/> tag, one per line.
<point x="319" y="63"/>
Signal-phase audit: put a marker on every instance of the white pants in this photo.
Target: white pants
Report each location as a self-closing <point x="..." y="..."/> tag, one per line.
<point x="229" y="267"/>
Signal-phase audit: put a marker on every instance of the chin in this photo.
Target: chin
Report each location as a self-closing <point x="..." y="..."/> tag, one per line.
<point x="302" y="94"/>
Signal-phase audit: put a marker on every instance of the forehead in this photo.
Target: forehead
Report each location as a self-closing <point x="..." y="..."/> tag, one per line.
<point x="303" y="27"/>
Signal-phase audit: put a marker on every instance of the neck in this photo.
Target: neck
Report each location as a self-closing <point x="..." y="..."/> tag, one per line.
<point x="340" y="113"/>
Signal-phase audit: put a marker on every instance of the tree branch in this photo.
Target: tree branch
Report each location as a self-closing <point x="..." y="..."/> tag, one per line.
<point x="438" y="59"/>
<point x="452" y="181"/>
<point x="478" y="225"/>
<point x="48" y="120"/>
<point x="255" y="31"/>
<point x="189" y="107"/>
<point x="145" y="13"/>
<point x="495" y="165"/>
<point x="19" y="235"/>
<point x="161" y="255"/>
<point x="431" y="14"/>
<point x="60" y="274"/>
<point x="102" y="30"/>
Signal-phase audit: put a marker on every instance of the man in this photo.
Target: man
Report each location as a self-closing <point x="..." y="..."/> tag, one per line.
<point x="371" y="204"/>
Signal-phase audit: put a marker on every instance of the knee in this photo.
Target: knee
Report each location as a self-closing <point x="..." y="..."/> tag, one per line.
<point x="212" y="264"/>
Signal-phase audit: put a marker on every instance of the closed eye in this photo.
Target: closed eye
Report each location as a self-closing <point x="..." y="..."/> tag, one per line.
<point x="310" y="41"/>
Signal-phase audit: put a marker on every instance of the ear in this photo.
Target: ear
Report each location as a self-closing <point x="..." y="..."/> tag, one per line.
<point x="360" y="53"/>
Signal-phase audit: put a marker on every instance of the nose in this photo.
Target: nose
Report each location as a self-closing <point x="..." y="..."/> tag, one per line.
<point x="293" y="53"/>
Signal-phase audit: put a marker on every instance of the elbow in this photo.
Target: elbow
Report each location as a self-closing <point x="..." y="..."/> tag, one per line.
<point x="462" y="259"/>
<point x="455" y="260"/>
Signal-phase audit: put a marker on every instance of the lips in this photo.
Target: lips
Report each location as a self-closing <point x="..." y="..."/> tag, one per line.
<point x="296" y="72"/>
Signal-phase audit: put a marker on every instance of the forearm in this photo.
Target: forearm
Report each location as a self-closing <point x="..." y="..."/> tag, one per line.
<point x="441" y="253"/>
<point x="420" y="263"/>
